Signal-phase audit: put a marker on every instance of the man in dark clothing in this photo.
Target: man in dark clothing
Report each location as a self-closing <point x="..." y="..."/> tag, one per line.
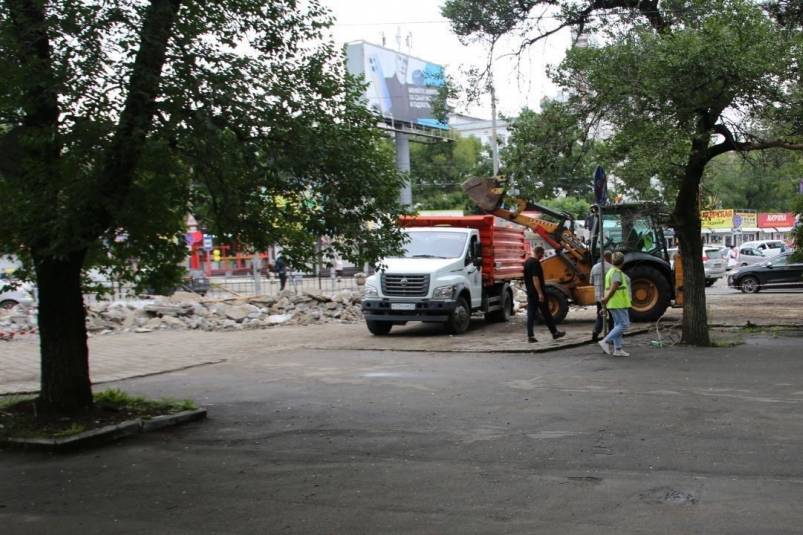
<point x="280" y="267"/>
<point x="536" y="296"/>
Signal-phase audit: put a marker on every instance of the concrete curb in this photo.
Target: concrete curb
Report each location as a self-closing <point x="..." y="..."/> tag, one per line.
<point x="105" y="434"/>
<point x="172" y="419"/>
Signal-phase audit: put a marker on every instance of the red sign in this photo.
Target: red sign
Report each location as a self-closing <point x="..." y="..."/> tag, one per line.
<point x="776" y="220"/>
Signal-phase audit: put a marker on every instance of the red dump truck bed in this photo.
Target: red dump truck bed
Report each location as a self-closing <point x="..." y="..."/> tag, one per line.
<point x="504" y="248"/>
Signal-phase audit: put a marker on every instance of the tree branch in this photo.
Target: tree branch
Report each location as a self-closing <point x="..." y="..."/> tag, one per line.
<point x="35" y="147"/>
<point x="730" y="143"/>
<point x="136" y="119"/>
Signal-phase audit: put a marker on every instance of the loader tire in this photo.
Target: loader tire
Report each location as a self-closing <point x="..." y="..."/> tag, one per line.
<point x="651" y="293"/>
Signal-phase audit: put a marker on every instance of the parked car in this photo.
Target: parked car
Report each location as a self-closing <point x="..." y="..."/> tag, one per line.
<point x="756" y="252"/>
<point x="714" y="262"/>
<point x="13" y="292"/>
<point x="777" y="272"/>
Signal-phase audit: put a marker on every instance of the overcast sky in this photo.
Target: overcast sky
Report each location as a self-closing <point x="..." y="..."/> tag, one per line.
<point x="431" y="39"/>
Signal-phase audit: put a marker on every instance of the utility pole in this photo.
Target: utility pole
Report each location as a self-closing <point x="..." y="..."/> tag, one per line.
<point x="494" y="147"/>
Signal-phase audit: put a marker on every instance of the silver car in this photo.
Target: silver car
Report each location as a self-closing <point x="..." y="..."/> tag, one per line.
<point x="714" y="262"/>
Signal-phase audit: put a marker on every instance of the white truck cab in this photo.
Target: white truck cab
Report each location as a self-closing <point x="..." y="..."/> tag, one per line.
<point x="439" y="278"/>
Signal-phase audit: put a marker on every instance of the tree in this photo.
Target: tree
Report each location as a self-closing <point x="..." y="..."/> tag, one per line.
<point x="550" y="153"/>
<point x="438" y="169"/>
<point x="679" y="84"/>
<point x="119" y="118"/>
<point x="766" y="181"/>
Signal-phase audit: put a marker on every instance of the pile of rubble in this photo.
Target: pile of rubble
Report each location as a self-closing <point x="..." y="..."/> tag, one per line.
<point x="17" y="321"/>
<point x="184" y="310"/>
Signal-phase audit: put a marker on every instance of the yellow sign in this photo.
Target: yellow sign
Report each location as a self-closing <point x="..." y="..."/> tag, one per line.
<point x="717" y="219"/>
<point x="745" y="220"/>
<point x="216" y="255"/>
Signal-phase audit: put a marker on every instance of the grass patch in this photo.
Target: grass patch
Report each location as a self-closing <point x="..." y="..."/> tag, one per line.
<point x="115" y="399"/>
<point x="19" y="416"/>
<point x="12" y="399"/>
<point x="725" y="342"/>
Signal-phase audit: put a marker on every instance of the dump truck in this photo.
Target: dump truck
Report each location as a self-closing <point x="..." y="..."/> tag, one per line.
<point x="451" y="268"/>
<point x="635" y="229"/>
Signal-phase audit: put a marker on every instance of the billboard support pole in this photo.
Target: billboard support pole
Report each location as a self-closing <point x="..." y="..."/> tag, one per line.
<point x="403" y="166"/>
<point x="494" y="147"/>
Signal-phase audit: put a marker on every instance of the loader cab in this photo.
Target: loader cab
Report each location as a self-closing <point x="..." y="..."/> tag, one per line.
<point x="630" y="228"/>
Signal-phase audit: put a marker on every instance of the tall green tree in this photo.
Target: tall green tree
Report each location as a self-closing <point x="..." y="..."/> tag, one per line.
<point x="119" y="118"/>
<point x="766" y="181"/>
<point x="549" y="153"/>
<point x="679" y="83"/>
<point x="438" y="169"/>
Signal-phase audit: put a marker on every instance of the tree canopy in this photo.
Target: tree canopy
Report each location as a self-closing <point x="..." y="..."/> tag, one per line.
<point x="117" y="119"/>
<point x="438" y="169"/>
<point x="549" y="153"/>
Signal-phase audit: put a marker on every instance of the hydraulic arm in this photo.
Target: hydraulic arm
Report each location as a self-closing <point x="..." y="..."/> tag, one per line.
<point x="490" y="195"/>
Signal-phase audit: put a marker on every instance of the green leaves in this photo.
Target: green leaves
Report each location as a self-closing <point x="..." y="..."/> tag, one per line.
<point x="257" y="130"/>
<point x="549" y="153"/>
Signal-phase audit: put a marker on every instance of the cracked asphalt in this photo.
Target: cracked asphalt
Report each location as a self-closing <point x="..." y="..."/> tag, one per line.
<point x="299" y="440"/>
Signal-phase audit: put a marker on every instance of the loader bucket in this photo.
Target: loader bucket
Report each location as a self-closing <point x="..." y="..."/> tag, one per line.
<point x="486" y="192"/>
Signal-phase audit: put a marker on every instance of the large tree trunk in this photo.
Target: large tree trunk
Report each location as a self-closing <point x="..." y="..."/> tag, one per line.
<point x="66" y="387"/>
<point x="686" y="219"/>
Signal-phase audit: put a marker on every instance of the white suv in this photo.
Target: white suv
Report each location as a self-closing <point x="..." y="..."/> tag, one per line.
<point x="753" y="252"/>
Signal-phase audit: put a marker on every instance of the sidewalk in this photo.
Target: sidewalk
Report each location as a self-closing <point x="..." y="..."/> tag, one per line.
<point x="123" y="355"/>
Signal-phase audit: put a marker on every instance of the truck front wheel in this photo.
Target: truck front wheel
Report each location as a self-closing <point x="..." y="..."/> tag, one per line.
<point x="460" y="318"/>
<point x="379" y="328"/>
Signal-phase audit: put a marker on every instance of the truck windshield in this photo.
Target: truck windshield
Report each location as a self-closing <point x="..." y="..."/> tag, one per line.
<point x="434" y="244"/>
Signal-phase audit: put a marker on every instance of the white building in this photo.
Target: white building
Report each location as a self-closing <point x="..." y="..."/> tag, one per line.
<point x="469" y="126"/>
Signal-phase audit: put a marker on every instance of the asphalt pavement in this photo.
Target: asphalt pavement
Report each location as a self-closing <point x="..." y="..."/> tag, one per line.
<point x="673" y="440"/>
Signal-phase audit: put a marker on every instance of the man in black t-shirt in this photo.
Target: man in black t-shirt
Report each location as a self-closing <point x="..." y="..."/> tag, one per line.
<point x="536" y="296"/>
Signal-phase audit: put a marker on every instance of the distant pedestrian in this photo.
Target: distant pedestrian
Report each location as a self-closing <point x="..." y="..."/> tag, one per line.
<point x="280" y="267"/>
<point x="598" y="273"/>
<point x="733" y="257"/>
<point x="618" y="300"/>
<point x="536" y="296"/>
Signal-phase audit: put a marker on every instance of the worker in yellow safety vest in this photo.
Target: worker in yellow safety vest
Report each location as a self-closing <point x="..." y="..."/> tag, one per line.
<point x="617" y="300"/>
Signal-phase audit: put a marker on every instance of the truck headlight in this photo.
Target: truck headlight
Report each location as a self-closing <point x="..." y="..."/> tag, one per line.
<point x="444" y="292"/>
<point x="371" y="291"/>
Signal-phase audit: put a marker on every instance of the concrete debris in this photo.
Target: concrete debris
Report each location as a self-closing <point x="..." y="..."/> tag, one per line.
<point x="184" y="310"/>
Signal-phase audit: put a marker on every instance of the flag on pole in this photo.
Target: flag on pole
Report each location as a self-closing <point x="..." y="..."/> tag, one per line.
<point x="600" y="186"/>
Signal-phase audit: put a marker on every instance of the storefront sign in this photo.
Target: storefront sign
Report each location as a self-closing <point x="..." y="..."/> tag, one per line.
<point x="745" y="220"/>
<point x="776" y="220"/>
<point x="717" y="219"/>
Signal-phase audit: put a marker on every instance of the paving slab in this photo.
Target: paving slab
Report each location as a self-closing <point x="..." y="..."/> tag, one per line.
<point x="117" y="356"/>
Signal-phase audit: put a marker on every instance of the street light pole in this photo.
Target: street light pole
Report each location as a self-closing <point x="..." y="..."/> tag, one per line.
<point x="494" y="147"/>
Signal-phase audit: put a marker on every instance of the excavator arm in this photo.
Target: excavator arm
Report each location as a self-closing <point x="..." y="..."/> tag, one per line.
<point x="490" y="195"/>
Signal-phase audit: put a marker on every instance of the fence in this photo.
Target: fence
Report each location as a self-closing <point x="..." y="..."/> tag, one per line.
<point x="224" y="287"/>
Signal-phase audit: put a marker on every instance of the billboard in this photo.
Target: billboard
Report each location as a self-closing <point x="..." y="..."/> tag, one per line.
<point x="745" y="220"/>
<point x="717" y="219"/>
<point x="400" y="87"/>
<point x="766" y="220"/>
